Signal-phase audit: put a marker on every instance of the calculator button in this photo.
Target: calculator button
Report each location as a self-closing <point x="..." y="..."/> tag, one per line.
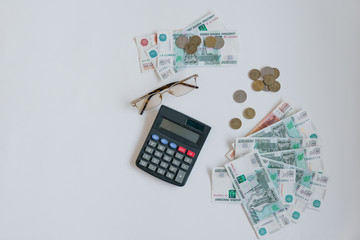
<point x="146" y="156"/>
<point x="161" y="171"/>
<point x="172" y="168"/>
<point x="152" y="167"/>
<point x="155" y="137"/>
<point x="176" y="162"/>
<point x="179" y="156"/>
<point x="187" y="160"/>
<point x="164" y="164"/>
<point x="158" y="154"/>
<point x="184" y="166"/>
<point x="170" y="152"/>
<point x="152" y="143"/>
<point x="180" y="176"/>
<point x="169" y="175"/>
<point x="155" y="160"/>
<point x="143" y="163"/>
<point x="182" y="149"/>
<point x="167" y="158"/>
<point x="161" y="147"/>
<point x="149" y="150"/>
<point x="173" y="145"/>
<point x="190" y="153"/>
<point x="164" y="141"/>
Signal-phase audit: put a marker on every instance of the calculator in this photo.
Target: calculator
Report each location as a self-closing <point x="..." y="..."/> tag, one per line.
<point x="172" y="146"/>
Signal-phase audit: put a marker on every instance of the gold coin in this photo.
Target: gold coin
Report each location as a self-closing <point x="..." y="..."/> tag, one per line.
<point x="275" y="86"/>
<point x="276" y="73"/>
<point x="249" y="113"/>
<point x="268" y="79"/>
<point x="210" y="42"/>
<point x="235" y="123"/>
<point x="190" y="48"/>
<point x="196" y="40"/>
<point x="258" y="85"/>
<point x="254" y="74"/>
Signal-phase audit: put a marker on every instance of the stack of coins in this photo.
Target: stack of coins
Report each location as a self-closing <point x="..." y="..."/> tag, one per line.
<point x="265" y="79"/>
<point x="214" y="42"/>
<point x="189" y="45"/>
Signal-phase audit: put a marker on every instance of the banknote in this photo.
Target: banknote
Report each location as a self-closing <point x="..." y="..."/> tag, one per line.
<point x="204" y="56"/>
<point x="163" y="72"/>
<point x="298" y="125"/>
<point x="222" y="189"/>
<point x="318" y="186"/>
<point x="265" y="145"/>
<point x="258" y="194"/>
<point x="281" y="111"/>
<point x="209" y="22"/>
<point x="165" y="49"/>
<point x="307" y="158"/>
<point x="143" y="43"/>
<point x="302" y="197"/>
<point x="284" y="181"/>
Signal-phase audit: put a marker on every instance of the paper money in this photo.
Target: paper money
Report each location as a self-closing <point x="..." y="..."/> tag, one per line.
<point x="163" y="72"/>
<point x="307" y="158"/>
<point x="280" y="112"/>
<point x="209" y="22"/>
<point x="143" y="43"/>
<point x="302" y="197"/>
<point x="165" y="49"/>
<point x="318" y="187"/>
<point x="222" y="188"/>
<point x="284" y="181"/>
<point x="265" y="145"/>
<point x="258" y="194"/>
<point x="204" y="56"/>
<point x="298" y="125"/>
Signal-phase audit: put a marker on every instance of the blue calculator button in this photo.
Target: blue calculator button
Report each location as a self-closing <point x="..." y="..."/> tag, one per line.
<point x="164" y="141"/>
<point x="155" y="137"/>
<point x="173" y="145"/>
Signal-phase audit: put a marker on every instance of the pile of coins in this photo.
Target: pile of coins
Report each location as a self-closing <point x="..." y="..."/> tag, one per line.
<point x="214" y="42"/>
<point x="265" y="79"/>
<point x="240" y="96"/>
<point x="191" y="44"/>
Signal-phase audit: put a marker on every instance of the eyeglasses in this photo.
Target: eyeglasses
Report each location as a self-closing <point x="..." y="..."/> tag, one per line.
<point x="154" y="98"/>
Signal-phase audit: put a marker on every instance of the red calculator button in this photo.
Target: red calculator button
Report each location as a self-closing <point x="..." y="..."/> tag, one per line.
<point x="190" y="153"/>
<point x="181" y="149"/>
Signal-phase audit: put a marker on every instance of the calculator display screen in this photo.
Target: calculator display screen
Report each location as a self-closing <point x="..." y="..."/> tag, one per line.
<point x="179" y="130"/>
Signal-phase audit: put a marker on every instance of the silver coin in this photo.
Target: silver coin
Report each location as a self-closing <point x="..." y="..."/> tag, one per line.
<point x="219" y="42"/>
<point x="181" y="41"/>
<point x="239" y="96"/>
<point x="266" y="88"/>
<point x="267" y="70"/>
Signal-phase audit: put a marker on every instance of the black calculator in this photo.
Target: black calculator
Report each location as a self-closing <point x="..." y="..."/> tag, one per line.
<point x="172" y="146"/>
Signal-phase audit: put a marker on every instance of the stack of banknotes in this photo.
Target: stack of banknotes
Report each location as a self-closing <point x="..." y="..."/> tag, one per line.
<point x="159" y="52"/>
<point x="276" y="172"/>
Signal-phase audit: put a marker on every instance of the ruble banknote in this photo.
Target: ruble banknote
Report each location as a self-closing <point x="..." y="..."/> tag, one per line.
<point x="302" y="197"/>
<point x="164" y="73"/>
<point x="222" y="190"/>
<point x="143" y="43"/>
<point x="318" y="186"/>
<point x="284" y="181"/>
<point x="209" y="22"/>
<point x="165" y="49"/>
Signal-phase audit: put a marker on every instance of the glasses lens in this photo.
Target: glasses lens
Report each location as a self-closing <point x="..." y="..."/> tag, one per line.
<point x="151" y="102"/>
<point x="183" y="88"/>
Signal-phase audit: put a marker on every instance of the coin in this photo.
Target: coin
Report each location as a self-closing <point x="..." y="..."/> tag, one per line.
<point x="249" y="113"/>
<point x="276" y="73"/>
<point x="219" y="42"/>
<point x="240" y="96"/>
<point x="266" y="88"/>
<point x="196" y="40"/>
<point x="269" y="79"/>
<point x="181" y="41"/>
<point x="267" y="70"/>
<point x="258" y="85"/>
<point x="275" y="86"/>
<point x="235" y="123"/>
<point x="210" y="42"/>
<point x="254" y="74"/>
<point x="190" y="48"/>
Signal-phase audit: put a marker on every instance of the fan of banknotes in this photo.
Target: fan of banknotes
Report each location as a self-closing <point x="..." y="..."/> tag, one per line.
<point x="276" y="172"/>
<point x="205" y="42"/>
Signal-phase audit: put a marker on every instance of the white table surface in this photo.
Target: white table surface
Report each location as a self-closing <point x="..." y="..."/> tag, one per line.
<point x="69" y="137"/>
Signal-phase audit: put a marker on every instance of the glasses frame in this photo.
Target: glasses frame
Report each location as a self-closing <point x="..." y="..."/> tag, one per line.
<point x="162" y="90"/>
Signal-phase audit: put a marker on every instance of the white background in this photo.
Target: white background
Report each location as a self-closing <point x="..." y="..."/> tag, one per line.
<point x="69" y="136"/>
